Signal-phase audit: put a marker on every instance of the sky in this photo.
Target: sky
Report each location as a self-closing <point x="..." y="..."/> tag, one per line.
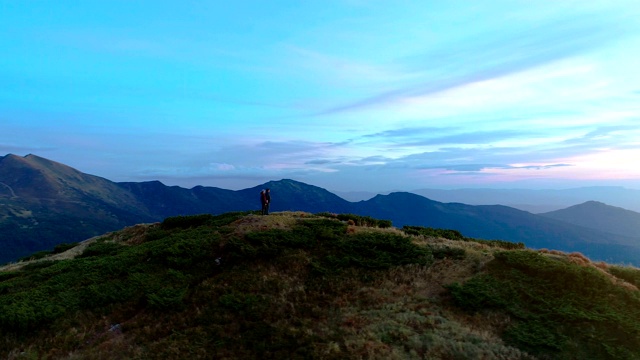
<point x="350" y="95"/>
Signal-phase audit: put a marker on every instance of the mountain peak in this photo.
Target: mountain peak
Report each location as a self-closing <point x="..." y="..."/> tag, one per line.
<point x="34" y="177"/>
<point x="593" y="203"/>
<point x="12" y="157"/>
<point x="598" y="215"/>
<point x="595" y="206"/>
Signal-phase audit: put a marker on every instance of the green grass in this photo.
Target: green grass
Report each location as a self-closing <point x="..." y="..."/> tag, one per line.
<point x="629" y="274"/>
<point x="560" y="309"/>
<point x="456" y="235"/>
<point x="170" y="270"/>
<point x="301" y="286"/>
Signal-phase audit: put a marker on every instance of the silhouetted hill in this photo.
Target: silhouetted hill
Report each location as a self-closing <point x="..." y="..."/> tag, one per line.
<point x="287" y="194"/>
<point x="600" y="216"/>
<point x="538" y="201"/>
<point x="295" y="285"/>
<point x="45" y="203"/>
<point x="502" y="222"/>
<point x="163" y="201"/>
<point x="290" y="195"/>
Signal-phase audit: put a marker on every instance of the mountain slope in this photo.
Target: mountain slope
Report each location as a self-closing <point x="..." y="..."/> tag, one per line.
<point x="600" y="216"/>
<point x="44" y="203"/>
<point x="36" y="178"/>
<point x="301" y="286"/>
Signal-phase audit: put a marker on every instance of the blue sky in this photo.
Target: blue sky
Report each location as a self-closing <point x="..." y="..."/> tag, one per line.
<point x="347" y="95"/>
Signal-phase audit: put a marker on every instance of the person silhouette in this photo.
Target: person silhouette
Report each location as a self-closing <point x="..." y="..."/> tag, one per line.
<point x="265" y="199"/>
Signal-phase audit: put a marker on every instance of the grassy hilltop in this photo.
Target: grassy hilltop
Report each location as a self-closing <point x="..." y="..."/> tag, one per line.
<point x="294" y="285"/>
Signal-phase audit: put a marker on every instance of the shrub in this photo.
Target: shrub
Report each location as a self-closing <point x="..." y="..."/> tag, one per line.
<point x="626" y="273"/>
<point x="36" y="255"/>
<point x="507" y="245"/>
<point x="560" y="309"/>
<point x="181" y="250"/>
<point x="168" y="298"/>
<point x="365" y="220"/>
<point x="480" y="293"/>
<point x="6" y="275"/>
<point x="60" y="248"/>
<point x="38" y="265"/>
<point x="380" y="251"/>
<point x="190" y="221"/>
<point x="456" y="235"/>
<point x="442" y="252"/>
<point x="185" y="222"/>
<point x="431" y="232"/>
<point x="100" y="248"/>
<point x="327" y="215"/>
<point x="42" y="254"/>
<point x="239" y="302"/>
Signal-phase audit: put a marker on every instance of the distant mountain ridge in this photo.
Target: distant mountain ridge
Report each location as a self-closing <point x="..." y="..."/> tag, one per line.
<point x="600" y="216"/>
<point x="538" y="201"/>
<point x="44" y="203"/>
<point x="502" y="222"/>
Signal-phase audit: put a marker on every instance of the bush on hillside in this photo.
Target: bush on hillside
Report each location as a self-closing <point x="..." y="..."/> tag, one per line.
<point x="36" y="256"/>
<point x="456" y="235"/>
<point x="60" y="248"/>
<point x="507" y="245"/>
<point x="359" y="220"/>
<point x="447" y="252"/>
<point x="626" y="273"/>
<point x="100" y="248"/>
<point x="189" y="221"/>
<point x="431" y="232"/>
<point x="185" y="222"/>
<point x="560" y="309"/>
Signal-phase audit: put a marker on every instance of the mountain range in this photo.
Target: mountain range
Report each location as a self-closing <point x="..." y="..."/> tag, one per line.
<point x="532" y="200"/>
<point x="44" y="203"/>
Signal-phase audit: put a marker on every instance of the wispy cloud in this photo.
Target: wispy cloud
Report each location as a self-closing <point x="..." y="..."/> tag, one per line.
<point x="486" y="57"/>
<point x="411" y="132"/>
<point x="376" y="96"/>
<point x="452" y="136"/>
<point x="480" y="167"/>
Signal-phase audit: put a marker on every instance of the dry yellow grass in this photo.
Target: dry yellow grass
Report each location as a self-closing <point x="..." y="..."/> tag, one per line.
<point x="280" y="220"/>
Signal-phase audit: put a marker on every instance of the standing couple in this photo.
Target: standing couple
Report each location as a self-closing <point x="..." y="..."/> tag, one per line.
<point x="265" y="199"/>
